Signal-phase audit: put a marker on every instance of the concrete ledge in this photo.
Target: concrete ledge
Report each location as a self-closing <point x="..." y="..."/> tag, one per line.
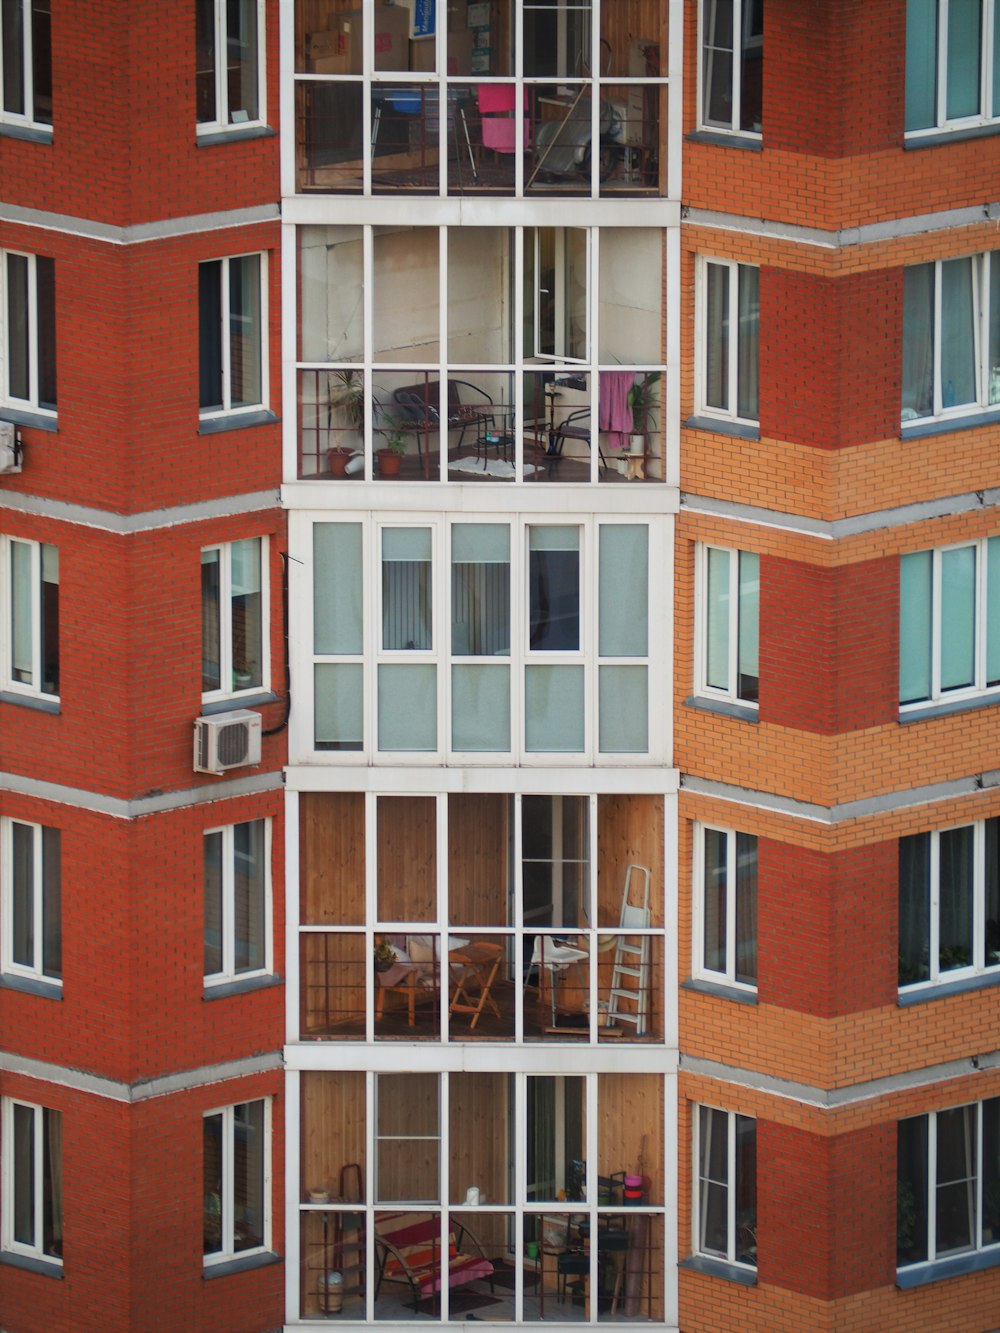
<point x="701" y="1263"/>
<point x="241" y="1264"/>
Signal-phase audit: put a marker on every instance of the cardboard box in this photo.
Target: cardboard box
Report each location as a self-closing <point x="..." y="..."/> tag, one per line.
<point x="458" y="15"/>
<point x="339" y="51"/>
<point x="459" y="54"/>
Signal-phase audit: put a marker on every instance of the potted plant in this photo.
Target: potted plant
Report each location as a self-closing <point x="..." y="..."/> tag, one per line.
<point x="345" y="394"/>
<point x="385" y="956"/>
<point x="643" y="400"/>
<point x="390" y="456"/>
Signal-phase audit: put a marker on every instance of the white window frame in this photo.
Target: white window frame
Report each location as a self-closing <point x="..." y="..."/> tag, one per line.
<point x="742" y="10"/>
<point x="990" y="17"/>
<point x="34" y="335"/>
<point x="36" y="1249"/>
<point x="698" y="967"/>
<point x="703" y="332"/>
<point x="225" y="550"/>
<point x="228" y="1252"/>
<point x="697" y="1210"/>
<point x="559" y="355"/>
<point x="25" y="58"/>
<point x="36" y="970"/>
<point x="222" y="123"/>
<point x="208" y="414"/>
<point x="731" y="693"/>
<point x="979" y="688"/>
<point x="932" y="1189"/>
<point x="229" y="971"/>
<point x="981" y="277"/>
<point x="35" y="687"/>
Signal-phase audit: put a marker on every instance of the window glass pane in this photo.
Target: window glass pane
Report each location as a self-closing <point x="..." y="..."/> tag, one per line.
<point x="964" y="56"/>
<point x="955" y="912"/>
<point x="213" y="903"/>
<point x="23" y="856"/>
<point x="717" y="619"/>
<point x="406" y="589"/>
<point x="991" y="1171"/>
<point x="914" y="908"/>
<point x="248" y="895"/>
<point x="480" y="708"/>
<point x="717" y="337"/>
<point x="22" y="614"/>
<point x="408" y="1138"/>
<point x="45" y="292"/>
<point x="630" y="318"/>
<point x="247" y="628"/>
<point x="748" y="346"/>
<point x="24" y="1175"/>
<point x="623" y="590"/>
<point x="752" y="67"/>
<point x="406" y="301"/>
<point x="480" y="590"/>
<point x="714" y="889"/>
<point x="210" y="335"/>
<point x="212" y="1240"/>
<point x="50" y="619"/>
<point x="18" y="353"/>
<point x="554" y="709"/>
<point x="337" y="588"/>
<point x="623" y="725"/>
<point x="41" y="59"/>
<point x="748" y="651"/>
<point x="12" y="45"/>
<point x="554" y="577"/>
<point x="746" y="1190"/>
<point x="915" y="626"/>
<point x="918" y="341"/>
<point x="480" y="318"/>
<point x="245" y="331"/>
<point x="52" y="1229"/>
<point x="339" y="706"/>
<point x="713" y="1183"/>
<point x="958" y="334"/>
<point x="921" y="64"/>
<point x="957" y="1151"/>
<point x="556" y="1137"/>
<point x="958" y="618"/>
<point x="51" y="903"/>
<point x="993" y="611"/>
<point x="248" y="1176"/>
<point x="717" y="71"/>
<point x="204" y="41"/>
<point x="992" y="902"/>
<point x="996" y="68"/>
<point x="407" y="707"/>
<point x="746" y="909"/>
<point x="211" y="637"/>
<point x="555" y="854"/>
<point x="911" y="1191"/>
<point x="331" y="304"/>
<point x="241" y="23"/>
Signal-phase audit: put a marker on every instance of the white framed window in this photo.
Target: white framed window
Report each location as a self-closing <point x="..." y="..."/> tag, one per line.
<point x="949" y="904"/>
<point x="951" y="338"/>
<point x="30" y="901"/>
<point x="727" y="615"/>
<point x="725" y="1202"/>
<point x="29" y="606"/>
<point x="31" y="1164"/>
<point x="27" y="332"/>
<point x="728" y="340"/>
<point x="26" y="63"/>
<point x="229" y="63"/>
<point x="948" y="1183"/>
<point x="952" y="65"/>
<point x="949" y="623"/>
<point x="557" y="266"/>
<point x="235" y="652"/>
<point x="725" y="934"/>
<point x="236" y="1174"/>
<point x="232" y="321"/>
<point x="237" y="883"/>
<point x="732" y="66"/>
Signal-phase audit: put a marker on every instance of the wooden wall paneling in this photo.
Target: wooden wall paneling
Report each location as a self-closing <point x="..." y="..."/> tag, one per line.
<point x="407" y="858"/>
<point x="408" y="1137"/>
<point x="629" y="829"/>
<point x="630" y="1128"/>
<point x="333" y="1128"/>
<point x="478" y="1120"/>
<point x="332" y="985"/>
<point x="332" y="836"/>
<point x="477" y="859"/>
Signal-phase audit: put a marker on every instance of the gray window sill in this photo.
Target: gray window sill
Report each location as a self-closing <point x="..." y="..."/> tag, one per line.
<point x="921" y="714"/>
<point x="234" y="134"/>
<point x="915" y="139"/>
<point x="744" y="712"/>
<point x="720" y="989"/>
<point x="919" y="1275"/>
<point x="48" y="990"/>
<point x="236" y="421"/>
<point x="742" y="430"/>
<point x="943" y="425"/>
<point x="733" y="139"/>
<point x="39" y="704"/>
<point x="29" y="133"/>
<point x="943" y="989"/>
<point x="46" y="1267"/>
<point x="251" y="699"/>
<point x="25" y="417"/>
<point x="241" y="1264"/>
<point x="701" y="1263"/>
<point x="240" y="987"/>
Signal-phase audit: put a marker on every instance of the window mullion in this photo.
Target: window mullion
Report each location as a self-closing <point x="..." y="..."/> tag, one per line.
<point x="227" y="914"/>
<point x="226" y="1210"/>
<point x="225" y="334"/>
<point x="932" y="1185"/>
<point x="936" y="337"/>
<point x="935" y="905"/>
<point x="221" y="55"/>
<point x="730" y="1186"/>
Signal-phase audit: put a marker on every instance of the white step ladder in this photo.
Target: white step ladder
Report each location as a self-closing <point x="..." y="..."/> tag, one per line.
<point x="630" y="974"/>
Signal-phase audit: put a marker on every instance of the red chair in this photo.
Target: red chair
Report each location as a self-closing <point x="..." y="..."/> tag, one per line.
<point x="496" y="109"/>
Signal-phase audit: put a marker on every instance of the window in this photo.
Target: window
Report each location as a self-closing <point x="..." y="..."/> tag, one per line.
<point x="237" y="901"/>
<point x="26" y="62"/>
<point x="229" y="63"/>
<point x="949" y="903"/>
<point x="236" y="1174"/>
<point x="233" y="616"/>
<point x="732" y="65"/>
<point x="949" y="622"/>
<point x="32" y="1180"/>
<point x="27" y="332"/>
<point x="952" y="64"/>
<point x="948" y="1183"/>
<point x="729" y="295"/>
<point x="726" y="906"/>
<point x="29" y="644"/>
<point x="725" y="1211"/>
<point x="30" y="896"/>
<point x="232" y="315"/>
<point x="951" y="338"/>
<point x="727" y="614"/>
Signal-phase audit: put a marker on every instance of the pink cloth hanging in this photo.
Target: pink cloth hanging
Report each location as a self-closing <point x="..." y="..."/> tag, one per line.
<point x="613" y="412"/>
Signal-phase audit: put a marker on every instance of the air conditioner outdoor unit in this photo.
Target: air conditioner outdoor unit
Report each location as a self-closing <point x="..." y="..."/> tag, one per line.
<point x="230" y="740"/>
<point x="10" y="448"/>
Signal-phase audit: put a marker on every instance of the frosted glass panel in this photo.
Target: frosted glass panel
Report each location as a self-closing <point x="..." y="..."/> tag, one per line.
<point x="964" y="26"/>
<point x="553" y="702"/>
<point x="407" y="707"/>
<point x="624" y="590"/>
<point x="921" y="63"/>
<point x="624" y="713"/>
<point x="958" y="610"/>
<point x="717" y="620"/>
<point x="915" y="626"/>
<point x="338" y="706"/>
<point x="480" y="708"/>
<point x="337" y="588"/>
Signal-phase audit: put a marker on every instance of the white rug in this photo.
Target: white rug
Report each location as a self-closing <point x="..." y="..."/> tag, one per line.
<point x="495" y="467"/>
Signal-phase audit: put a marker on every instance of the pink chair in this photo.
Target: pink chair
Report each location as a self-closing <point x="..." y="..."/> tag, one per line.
<point x="496" y="108"/>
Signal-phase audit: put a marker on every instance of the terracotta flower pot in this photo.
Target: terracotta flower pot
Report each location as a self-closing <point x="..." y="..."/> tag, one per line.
<point x="336" y="461"/>
<point x="388" y="463"/>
